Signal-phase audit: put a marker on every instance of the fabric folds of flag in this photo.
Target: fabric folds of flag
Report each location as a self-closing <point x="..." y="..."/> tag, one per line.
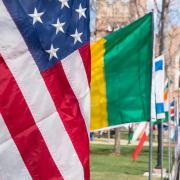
<point x="138" y="132"/>
<point x="141" y="142"/>
<point x="121" y="75"/>
<point x="172" y="109"/>
<point x="44" y="89"/>
<point x="159" y="86"/>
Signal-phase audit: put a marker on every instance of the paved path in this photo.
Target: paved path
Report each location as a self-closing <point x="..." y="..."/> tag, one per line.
<point x="123" y="142"/>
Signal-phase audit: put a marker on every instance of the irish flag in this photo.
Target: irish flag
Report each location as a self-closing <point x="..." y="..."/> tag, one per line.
<point x="121" y="75"/>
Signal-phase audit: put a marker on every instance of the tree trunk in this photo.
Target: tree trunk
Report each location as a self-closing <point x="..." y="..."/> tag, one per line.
<point x="117" y="150"/>
<point x="161" y="49"/>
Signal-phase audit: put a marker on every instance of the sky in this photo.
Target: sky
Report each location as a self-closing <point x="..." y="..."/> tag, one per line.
<point x="174" y="13"/>
<point x="92" y="15"/>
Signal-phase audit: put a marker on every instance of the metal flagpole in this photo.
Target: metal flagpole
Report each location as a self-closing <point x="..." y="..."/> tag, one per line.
<point x="151" y="122"/>
<point x="178" y="118"/>
<point x="177" y="125"/>
<point x="169" y="133"/>
<point x="150" y="148"/>
<point x="162" y="146"/>
<point x="162" y="130"/>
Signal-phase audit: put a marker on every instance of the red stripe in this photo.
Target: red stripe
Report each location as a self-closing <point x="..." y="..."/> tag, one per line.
<point x="139" y="147"/>
<point x="23" y="129"/>
<point x="68" y="108"/>
<point x="86" y="57"/>
<point x="172" y="111"/>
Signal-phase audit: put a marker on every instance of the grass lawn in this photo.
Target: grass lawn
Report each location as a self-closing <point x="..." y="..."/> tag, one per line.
<point x="106" y="166"/>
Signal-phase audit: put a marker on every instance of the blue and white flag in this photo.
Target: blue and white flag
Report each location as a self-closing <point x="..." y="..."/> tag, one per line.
<point x="153" y="100"/>
<point x="159" y="86"/>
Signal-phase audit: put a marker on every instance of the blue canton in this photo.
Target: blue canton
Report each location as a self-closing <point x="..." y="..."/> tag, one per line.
<point x="52" y="29"/>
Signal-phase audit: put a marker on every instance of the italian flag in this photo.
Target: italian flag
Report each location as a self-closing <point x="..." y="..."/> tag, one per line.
<point x="139" y="131"/>
<point x="141" y="143"/>
<point x="121" y="75"/>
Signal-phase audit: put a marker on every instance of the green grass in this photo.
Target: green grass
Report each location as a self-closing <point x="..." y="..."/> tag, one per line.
<point x="105" y="165"/>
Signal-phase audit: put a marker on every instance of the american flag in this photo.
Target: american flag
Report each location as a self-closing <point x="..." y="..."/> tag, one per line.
<point x="172" y="109"/>
<point x="44" y="89"/>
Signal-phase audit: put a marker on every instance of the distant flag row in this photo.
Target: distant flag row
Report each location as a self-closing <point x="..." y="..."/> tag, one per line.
<point x="159" y="95"/>
<point x="142" y="131"/>
<point x="157" y="102"/>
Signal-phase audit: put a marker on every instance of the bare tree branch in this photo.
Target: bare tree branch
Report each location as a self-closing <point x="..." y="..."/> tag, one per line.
<point x="155" y="3"/>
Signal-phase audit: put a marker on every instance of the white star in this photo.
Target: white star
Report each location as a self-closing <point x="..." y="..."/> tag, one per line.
<point x="81" y="11"/>
<point x="59" y="26"/>
<point x="64" y="3"/>
<point x="36" y="16"/>
<point x="76" y="36"/>
<point x="52" y="52"/>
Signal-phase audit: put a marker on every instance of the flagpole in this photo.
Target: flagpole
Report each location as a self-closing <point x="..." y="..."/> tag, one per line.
<point x="169" y="134"/>
<point x="177" y="125"/>
<point x="150" y="122"/>
<point x="178" y="122"/>
<point x="162" y="150"/>
<point x="150" y="149"/>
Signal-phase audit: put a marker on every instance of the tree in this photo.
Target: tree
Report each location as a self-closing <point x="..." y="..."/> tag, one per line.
<point x="117" y="145"/>
<point x="161" y="48"/>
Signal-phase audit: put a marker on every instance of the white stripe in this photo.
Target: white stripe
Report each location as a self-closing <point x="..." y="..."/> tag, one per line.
<point x="41" y="105"/>
<point x="160" y="115"/>
<point x="147" y="130"/>
<point x="74" y="69"/>
<point x="12" y="166"/>
<point x="138" y="131"/>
